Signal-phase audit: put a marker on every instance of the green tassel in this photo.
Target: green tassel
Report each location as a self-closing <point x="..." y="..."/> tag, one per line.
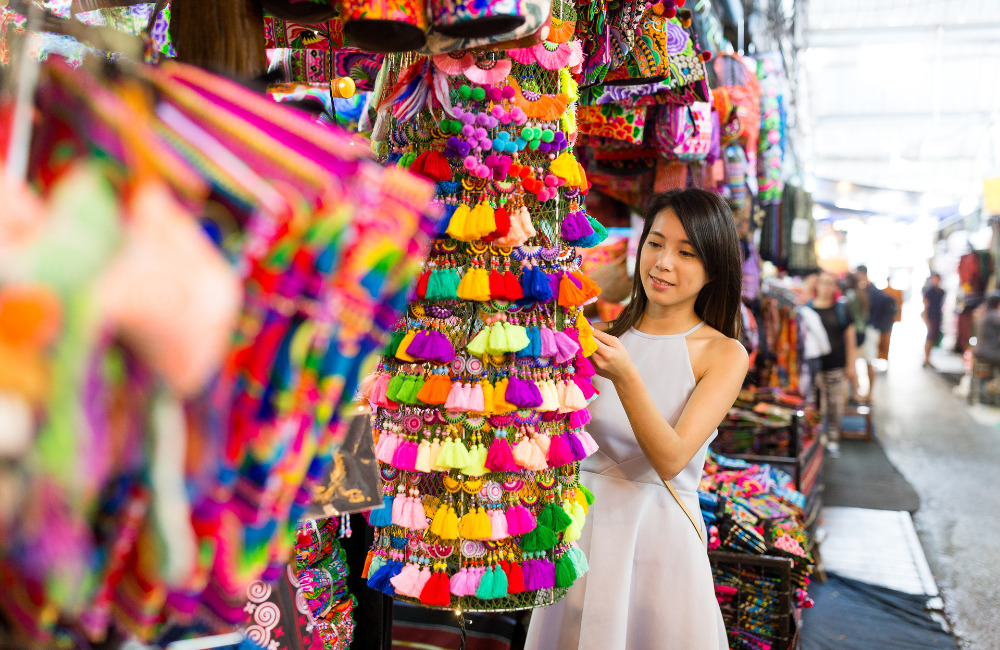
<point x="579" y="560"/>
<point x="407" y="395"/>
<point x="435" y="288"/>
<point x="554" y="518"/>
<point x="565" y="573"/>
<point x="540" y="539"/>
<point x="397" y="338"/>
<point x="395" y="384"/>
<point x="600" y="232"/>
<point x="588" y="494"/>
<point x="418" y="383"/>
<point x="449" y="282"/>
<point x="485" y="588"/>
<point x="499" y="583"/>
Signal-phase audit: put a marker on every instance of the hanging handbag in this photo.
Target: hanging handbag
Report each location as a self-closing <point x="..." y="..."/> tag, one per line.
<point x="352" y="482"/>
<point x="685" y="132"/>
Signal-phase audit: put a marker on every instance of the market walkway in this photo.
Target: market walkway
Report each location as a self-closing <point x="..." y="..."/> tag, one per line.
<point x="953" y="462"/>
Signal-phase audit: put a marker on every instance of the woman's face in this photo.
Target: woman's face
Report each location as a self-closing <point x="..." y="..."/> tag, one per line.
<point x="826" y="286"/>
<point x="670" y="270"/>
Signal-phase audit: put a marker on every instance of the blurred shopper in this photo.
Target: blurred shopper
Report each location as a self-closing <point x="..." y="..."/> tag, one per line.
<point x="881" y="314"/>
<point x="836" y="367"/>
<point x="933" y="313"/>
<point x="988" y="332"/>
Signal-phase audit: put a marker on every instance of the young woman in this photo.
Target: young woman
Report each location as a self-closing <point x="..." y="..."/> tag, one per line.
<point x="670" y="368"/>
<point x="836" y="367"/>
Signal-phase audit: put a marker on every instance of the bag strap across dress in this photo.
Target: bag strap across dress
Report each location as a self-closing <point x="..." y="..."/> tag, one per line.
<point x="690" y="517"/>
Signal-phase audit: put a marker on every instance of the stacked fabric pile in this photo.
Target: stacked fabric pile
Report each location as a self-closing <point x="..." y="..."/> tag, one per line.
<point x="186" y="305"/>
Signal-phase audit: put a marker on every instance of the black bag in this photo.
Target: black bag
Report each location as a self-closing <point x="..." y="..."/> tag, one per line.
<point x="354" y="482"/>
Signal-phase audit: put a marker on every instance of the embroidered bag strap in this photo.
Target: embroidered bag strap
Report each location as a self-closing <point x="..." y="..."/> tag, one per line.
<point x="690" y="517"/>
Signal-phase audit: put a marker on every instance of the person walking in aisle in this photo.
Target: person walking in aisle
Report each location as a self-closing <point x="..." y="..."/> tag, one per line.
<point x="933" y="314"/>
<point x="881" y="310"/>
<point x="837" y="367"/>
<point x="670" y="367"/>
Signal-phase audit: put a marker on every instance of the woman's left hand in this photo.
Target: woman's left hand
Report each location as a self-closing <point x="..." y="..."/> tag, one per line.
<point x="611" y="360"/>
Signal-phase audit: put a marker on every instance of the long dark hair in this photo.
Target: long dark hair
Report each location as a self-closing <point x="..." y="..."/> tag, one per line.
<point x="709" y="225"/>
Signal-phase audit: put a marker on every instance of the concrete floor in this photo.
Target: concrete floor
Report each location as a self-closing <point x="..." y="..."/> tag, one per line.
<point x="953" y="462"/>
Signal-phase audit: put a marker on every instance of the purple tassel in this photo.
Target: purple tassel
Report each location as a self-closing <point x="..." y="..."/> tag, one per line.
<point x="566" y="347"/>
<point x="576" y="226"/>
<point x="560" y="452"/>
<point x="546" y="574"/>
<point x="579" y="418"/>
<point x="439" y="348"/>
<point x="419" y="347"/>
<point x="575" y="447"/>
<point x="523" y="394"/>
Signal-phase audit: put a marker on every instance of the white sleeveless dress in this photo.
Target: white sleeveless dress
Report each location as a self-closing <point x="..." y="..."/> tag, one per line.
<point x="650" y="584"/>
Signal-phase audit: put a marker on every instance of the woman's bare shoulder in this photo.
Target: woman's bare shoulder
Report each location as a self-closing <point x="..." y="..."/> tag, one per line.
<point x="712" y="349"/>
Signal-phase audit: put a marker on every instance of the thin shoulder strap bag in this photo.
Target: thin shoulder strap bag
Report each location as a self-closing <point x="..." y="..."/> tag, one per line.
<point x="690" y="517"/>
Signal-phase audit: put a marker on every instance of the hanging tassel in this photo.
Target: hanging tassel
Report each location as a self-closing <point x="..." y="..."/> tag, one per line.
<point x="379" y="391"/>
<point x="545" y="574"/>
<point x="515" y="578"/>
<point x="575" y="447"/>
<point x="397" y="338"/>
<point x="587" y="343"/>
<point x="499" y="583"/>
<point x="547" y="342"/>
<point x="449" y="284"/>
<point x="377" y="563"/>
<point x="502" y="220"/>
<point x="392" y="390"/>
<point x="554" y="518"/>
<point x="405" y="582"/>
<point x="405" y="456"/>
<point x="422" y="578"/>
<point x="475" y="579"/>
<point x="586" y="387"/>
<point x="435" y="455"/>
<point x="498" y="458"/>
<point x="573" y="531"/>
<point x="458" y="585"/>
<point x="437" y="522"/>
<point x="512" y="286"/>
<point x="522" y="394"/>
<point x="381" y="516"/>
<point x="487" y="389"/>
<point x="565" y="573"/>
<point x="500" y="403"/>
<point x="481" y="525"/>
<point x="435" y="592"/>
<point x="368" y="563"/>
<point x="435" y="390"/>
<point x="385" y="448"/>
<point x="566" y="347"/>
<point x="422" y="283"/>
<point x="517" y="337"/>
<point x="520" y="520"/>
<point x="570" y="294"/>
<point x="529" y="456"/>
<point x="575" y="226"/>
<point x="498" y="525"/>
<point x="439" y="348"/>
<point x="397" y="508"/>
<point x="498" y="343"/>
<point x="401" y="353"/>
<point x="459" y="222"/>
<point x="559" y="452"/>
<point x="381" y="580"/>
<point x="586" y="441"/>
<point x="414" y="516"/>
<point x="449" y="528"/>
<point x="485" y="589"/>
<point x="479" y="342"/>
<point x="550" y="402"/>
<point x="477" y="401"/>
<point x="477" y="459"/>
<point x="579" y="560"/>
<point x="542" y="538"/>
<point x="579" y="419"/>
<point x="497" y="289"/>
<point x="454" y="399"/>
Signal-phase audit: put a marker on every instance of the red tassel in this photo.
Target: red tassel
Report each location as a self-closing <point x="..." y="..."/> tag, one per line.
<point x="515" y="577"/>
<point x="432" y="165"/>
<point x="503" y="225"/>
<point x="435" y="592"/>
<point x="368" y="563"/>
<point x="422" y="283"/>
<point x="514" y="291"/>
<point x="497" y="289"/>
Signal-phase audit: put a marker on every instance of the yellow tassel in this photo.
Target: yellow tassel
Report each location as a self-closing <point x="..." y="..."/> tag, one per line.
<point x="457" y="225"/>
<point x="581" y="499"/>
<point x="405" y="343"/>
<point x="467" y="525"/>
<point x="587" y="342"/>
<point x="487" y="396"/>
<point x="481" y="525"/>
<point x="450" y="528"/>
<point x="487" y="220"/>
<point x="437" y="524"/>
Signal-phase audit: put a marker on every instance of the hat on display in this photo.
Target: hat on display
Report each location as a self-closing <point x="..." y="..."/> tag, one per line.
<point x="476" y="19"/>
<point x="536" y="14"/>
<point x="385" y="25"/>
<point x="307" y="12"/>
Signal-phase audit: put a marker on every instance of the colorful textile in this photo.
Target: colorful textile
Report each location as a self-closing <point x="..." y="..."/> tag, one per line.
<point x="613" y="121"/>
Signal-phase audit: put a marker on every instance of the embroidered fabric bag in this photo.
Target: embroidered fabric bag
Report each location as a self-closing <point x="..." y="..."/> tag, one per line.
<point x="685" y="132"/>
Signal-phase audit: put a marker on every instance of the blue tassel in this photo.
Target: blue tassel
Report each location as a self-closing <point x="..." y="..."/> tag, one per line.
<point x="442" y="225"/>
<point x="382" y="516"/>
<point x="380" y="580"/>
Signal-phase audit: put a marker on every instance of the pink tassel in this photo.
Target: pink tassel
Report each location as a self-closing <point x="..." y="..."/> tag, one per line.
<point x="405" y="456"/>
<point x="464" y="399"/>
<point x="522" y="452"/>
<point x="454" y="396"/>
<point x="566" y="347"/>
<point x="520" y="520"/>
<point x="561" y="393"/>
<point x="458" y="584"/>
<point x="586" y="440"/>
<point x="498" y="525"/>
<point x="386" y="447"/>
<point x="416" y="518"/>
<point x="498" y="458"/>
<point x="379" y="390"/>
<point x="574" y="397"/>
<point x="548" y="338"/>
<point x="475" y="577"/>
<point x="578" y="419"/>
<point x="559" y="452"/>
<point x="397" y="509"/>
<point x="405" y="582"/>
<point x="477" y="403"/>
<point x="586" y="387"/>
<point x="425" y="575"/>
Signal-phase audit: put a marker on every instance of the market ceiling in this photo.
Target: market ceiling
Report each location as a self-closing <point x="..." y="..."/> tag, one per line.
<point x="903" y="94"/>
